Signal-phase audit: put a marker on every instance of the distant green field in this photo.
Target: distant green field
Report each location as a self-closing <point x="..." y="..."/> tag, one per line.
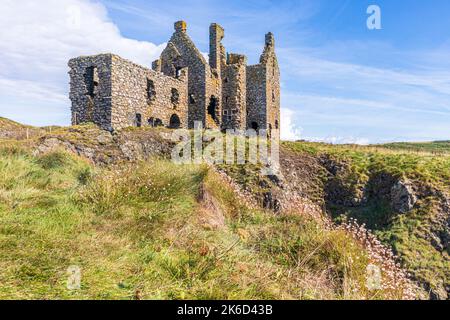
<point x="436" y="146"/>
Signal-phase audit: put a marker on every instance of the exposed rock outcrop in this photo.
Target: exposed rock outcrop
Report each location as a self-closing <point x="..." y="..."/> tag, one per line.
<point x="403" y="197"/>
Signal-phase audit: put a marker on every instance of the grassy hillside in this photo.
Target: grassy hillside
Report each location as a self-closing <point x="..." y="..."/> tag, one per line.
<point x="10" y="129"/>
<point x="154" y="230"/>
<point x="357" y="183"/>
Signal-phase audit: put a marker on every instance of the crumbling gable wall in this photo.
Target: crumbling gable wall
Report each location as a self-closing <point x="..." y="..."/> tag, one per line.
<point x="179" y="53"/>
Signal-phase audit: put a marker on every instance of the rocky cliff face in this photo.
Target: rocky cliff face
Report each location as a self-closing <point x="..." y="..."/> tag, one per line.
<point x="103" y="147"/>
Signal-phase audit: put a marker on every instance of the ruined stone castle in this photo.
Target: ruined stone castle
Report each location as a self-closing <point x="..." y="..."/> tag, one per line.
<point x="180" y="89"/>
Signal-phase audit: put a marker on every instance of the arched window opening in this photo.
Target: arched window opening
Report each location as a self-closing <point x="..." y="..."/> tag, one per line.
<point x="175" y="122"/>
<point x="277" y="126"/>
<point x="254" y="125"/>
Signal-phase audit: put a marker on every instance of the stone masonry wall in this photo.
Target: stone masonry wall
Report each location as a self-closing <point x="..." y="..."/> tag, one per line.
<point x="131" y="97"/>
<point x="116" y="93"/>
<point x="91" y="93"/>
<point x="234" y="93"/>
<point x="256" y="97"/>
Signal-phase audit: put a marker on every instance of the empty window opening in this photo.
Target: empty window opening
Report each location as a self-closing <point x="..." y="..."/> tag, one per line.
<point x="225" y="112"/>
<point x="151" y="92"/>
<point x="254" y="125"/>
<point x="138" y="120"/>
<point x="213" y="103"/>
<point x="151" y="121"/>
<point x="175" y="122"/>
<point x="175" y="98"/>
<point x="178" y="72"/>
<point x="226" y="80"/>
<point x="276" y="124"/>
<point x="91" y="80"/>
<point x="273" y="96"/>
<point x="158" y="123"/>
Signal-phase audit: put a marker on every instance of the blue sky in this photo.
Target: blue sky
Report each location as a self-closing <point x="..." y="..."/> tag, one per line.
<point x="341" y="82"/>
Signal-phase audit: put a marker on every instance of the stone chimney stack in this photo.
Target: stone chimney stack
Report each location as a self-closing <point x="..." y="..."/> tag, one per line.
<point x="270" y="40"/>
<point x="216" y="50"/>
<point x="269" y="49"/>
<point x="180" y="26"/>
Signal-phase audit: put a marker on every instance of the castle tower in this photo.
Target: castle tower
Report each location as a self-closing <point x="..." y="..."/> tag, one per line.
<point x="263" y="90"/>
<point x="234" y="81"/>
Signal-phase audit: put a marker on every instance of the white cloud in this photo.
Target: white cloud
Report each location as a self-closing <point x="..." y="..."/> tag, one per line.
<point x="289" y="130"/>
<point x="38" y="39"/>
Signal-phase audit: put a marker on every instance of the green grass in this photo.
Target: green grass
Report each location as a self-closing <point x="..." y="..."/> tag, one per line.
<point x="145" y="230"/>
